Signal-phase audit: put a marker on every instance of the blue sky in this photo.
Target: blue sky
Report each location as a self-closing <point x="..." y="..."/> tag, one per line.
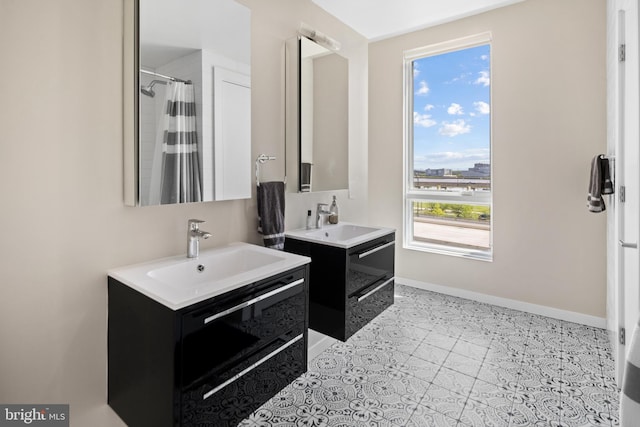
<point x="451" y="109"/>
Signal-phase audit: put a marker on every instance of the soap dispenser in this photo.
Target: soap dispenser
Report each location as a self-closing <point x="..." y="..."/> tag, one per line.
<point x="309" y="220"/>
<point x="333" y="218"/>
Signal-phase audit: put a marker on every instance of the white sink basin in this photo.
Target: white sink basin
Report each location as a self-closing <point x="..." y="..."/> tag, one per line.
<point x="341" y="232"/>
<point x="180" y="281"/>
<point x="212" y="267"/>
<point x="343" y="235"/>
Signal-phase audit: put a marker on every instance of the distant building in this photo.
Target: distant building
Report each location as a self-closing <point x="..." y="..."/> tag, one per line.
<point x="437" y="172"/>
<point x="479" y="170"/>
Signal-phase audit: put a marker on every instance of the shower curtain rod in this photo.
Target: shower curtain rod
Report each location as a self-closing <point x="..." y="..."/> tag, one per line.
<point x="175" y="79"/>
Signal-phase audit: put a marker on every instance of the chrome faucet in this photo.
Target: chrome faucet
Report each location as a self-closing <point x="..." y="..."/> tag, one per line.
<point x="322" y="213"/>
<point x="193" y="238"/>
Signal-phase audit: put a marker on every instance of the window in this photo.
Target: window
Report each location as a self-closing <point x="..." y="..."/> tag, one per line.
<point x="447" y="197"/>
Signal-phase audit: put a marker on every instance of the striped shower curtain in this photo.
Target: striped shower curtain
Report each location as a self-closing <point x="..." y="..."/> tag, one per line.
<point x="181" y="180"/>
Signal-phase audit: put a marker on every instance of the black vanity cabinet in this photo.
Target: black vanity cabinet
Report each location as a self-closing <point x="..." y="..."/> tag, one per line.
<point x="347" y="287"/>
<point x="209" y="364"/>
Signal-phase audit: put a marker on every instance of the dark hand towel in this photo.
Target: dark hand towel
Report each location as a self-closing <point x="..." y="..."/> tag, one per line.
<point x="271" y="214"/>
<point x="305" y="177"/>
<point x="607" y="184"/>
<point x="599" y="184"/>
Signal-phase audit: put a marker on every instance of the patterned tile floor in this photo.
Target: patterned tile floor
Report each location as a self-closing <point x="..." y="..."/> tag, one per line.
<point x="436" y="360"/>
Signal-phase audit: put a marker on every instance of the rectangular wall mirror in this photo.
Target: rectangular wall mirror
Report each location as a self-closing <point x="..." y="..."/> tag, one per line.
<point x="187" y="101"/>
<point x="323" y="128"/>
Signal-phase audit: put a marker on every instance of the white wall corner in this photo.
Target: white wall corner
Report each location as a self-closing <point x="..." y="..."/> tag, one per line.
<point x="317" y="344"/>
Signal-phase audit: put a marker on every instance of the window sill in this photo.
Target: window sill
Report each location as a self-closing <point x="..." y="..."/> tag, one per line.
<point x="474" y="254"/>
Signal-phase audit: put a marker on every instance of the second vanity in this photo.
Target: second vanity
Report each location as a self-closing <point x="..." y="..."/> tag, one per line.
<point x="205" y="341"/>
<point x="352" y="275"/>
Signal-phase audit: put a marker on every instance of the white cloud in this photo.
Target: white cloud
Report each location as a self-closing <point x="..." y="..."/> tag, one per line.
<point x="478" y="155"/>
<point x="416" y="69"/>
<point x="461" y="78"/>
<point x="484" y="57"/>
<point x="483" y="79"/>
<point x="455" y="109"/>
<point x="423" y="89"/>
<point x="482" y="107"/>
<point x="423" y="120"/>
<point x="454" y="128"/>
<point x="429" y="107"/>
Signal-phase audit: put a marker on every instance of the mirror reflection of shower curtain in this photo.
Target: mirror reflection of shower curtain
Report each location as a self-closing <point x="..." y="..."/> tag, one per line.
<point x="181" y="178"/>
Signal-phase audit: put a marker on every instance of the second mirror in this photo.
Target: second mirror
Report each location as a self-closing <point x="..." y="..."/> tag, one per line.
<point x="323" y="118"/>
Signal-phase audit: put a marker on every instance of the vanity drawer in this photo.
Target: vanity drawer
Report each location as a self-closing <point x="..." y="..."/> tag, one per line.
<point x="221" y="403"/>
<point x="369" y="263"/>
<point x="365" y="305"/>
<point x="233" y="329"/>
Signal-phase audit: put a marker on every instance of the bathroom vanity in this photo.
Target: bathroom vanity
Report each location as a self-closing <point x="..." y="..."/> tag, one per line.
<point x="352" y="275"/>
<point x="205" y="342"/>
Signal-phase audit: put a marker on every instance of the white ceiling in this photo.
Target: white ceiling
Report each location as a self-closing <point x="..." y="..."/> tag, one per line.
<point x="380" y="19"/>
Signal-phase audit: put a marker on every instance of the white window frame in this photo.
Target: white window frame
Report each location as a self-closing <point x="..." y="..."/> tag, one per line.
<point x="410" y="194"/>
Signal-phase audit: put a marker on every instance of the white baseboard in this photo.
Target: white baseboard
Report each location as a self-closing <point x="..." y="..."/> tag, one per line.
<point x="570" y="316"/>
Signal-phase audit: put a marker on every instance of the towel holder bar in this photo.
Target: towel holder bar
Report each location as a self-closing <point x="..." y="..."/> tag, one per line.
<point x="628" y="245"/>
<point x="260" y="160"/>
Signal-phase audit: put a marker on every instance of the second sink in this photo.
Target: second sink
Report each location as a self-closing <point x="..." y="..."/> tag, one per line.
<point x="343" y="235"/>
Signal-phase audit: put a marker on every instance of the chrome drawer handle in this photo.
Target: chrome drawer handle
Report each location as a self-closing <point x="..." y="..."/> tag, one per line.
<point x="374" y="250"/>
<point x="628" y="245"/>
<point x="368" y="294"/>
<point x="252" y="367"/>
<point x="253" y="301"/>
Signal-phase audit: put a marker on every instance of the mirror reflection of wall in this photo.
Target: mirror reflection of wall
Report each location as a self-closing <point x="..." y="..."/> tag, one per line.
<point x="324" y="119"/>
<point x="194" y="55"/>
